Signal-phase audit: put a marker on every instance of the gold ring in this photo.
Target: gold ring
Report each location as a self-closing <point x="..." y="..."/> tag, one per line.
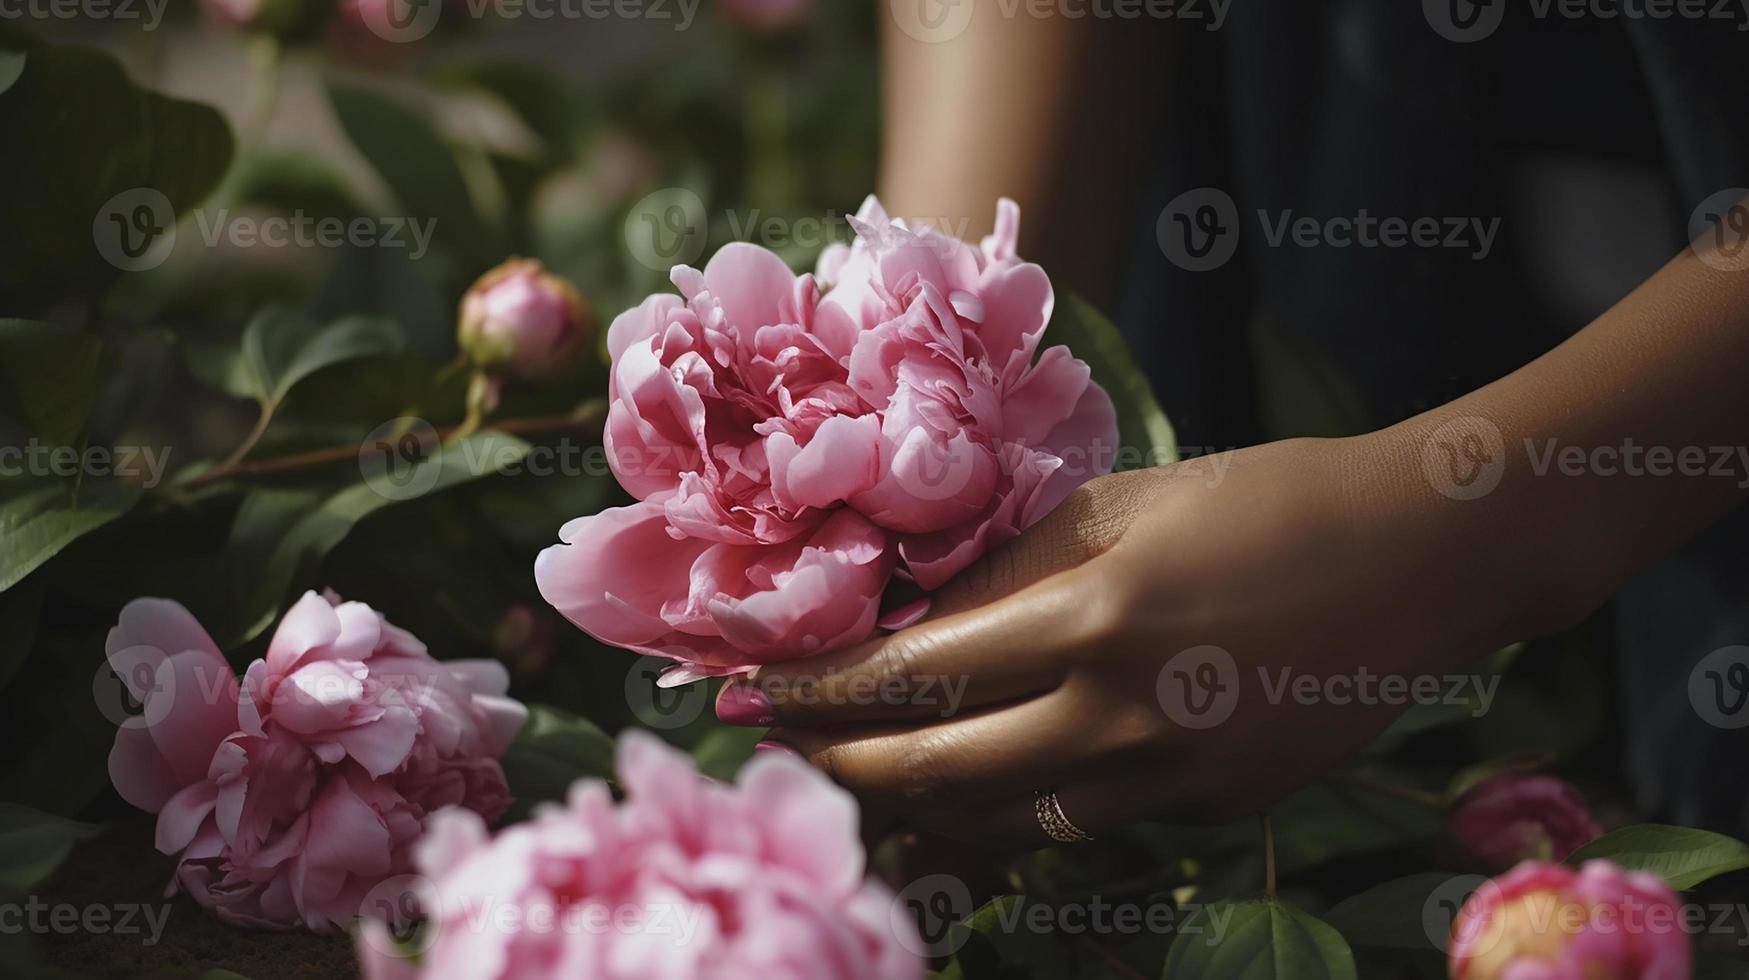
<point x="1056" y="824"/>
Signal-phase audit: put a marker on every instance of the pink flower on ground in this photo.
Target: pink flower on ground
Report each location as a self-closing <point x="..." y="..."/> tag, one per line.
<point x="1510" y="817"/>
<point x="1543" y="921"/>
<point x="686" y="879"/>
<point x="768" y="15"/>
<point x="288" y="798"/>
<point x="792" y="453"/>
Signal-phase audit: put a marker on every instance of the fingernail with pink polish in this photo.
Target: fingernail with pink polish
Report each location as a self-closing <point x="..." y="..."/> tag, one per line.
<point x="778" y="747"/>
<point x="743" y="704"/>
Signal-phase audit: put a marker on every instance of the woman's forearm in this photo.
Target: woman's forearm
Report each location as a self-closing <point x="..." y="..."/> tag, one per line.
<point x="1565" y="477"/>
<point x="1027" y="107"/>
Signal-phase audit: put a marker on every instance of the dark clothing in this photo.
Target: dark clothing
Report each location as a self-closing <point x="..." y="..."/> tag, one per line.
<point x="1588" y="142"/>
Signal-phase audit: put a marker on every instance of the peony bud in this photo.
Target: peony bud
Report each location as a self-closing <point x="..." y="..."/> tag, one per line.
<point x="1548" y="920"/>
<point x="1512" y="817"/>
<point x="768" y="16"/>
<point x="522" y="319"/>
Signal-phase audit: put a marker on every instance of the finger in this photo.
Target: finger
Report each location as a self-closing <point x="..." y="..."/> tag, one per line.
<point x="1016" y="647"/>
<point x="1084" y="526"/>
<point x="992" y="755"/>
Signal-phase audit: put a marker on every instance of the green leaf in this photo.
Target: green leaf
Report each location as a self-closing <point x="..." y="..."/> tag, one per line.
<point x="1144" y="434"/>
<point x="723" y="750"/>
<point x="554" y="750"/>
<point x="48" y="378"/>
<point x="33" y="844"/>
<point x="37" y="521"/>
<point x="11" y="66"/>
<point x="1682" y="856"/>
<point x="1393" y="914"/>
<point x="92" y="135"/>
<point x="281" y="348"/>
<point x="1262" y="940"/>
<point x="282" y="539"/>
<point x="999" y="939"/>
<point x="417" y="165"/>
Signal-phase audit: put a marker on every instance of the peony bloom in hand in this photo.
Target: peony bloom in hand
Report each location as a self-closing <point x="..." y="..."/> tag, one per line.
<point x="1510" y="817"/>
<point x="1549" y="922"/>
<point x="686" y="879"/>
<point x="288" y="798"/>
<point x="791" y="452"/>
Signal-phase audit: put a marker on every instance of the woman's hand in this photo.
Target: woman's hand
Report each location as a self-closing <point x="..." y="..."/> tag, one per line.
<point x="1168" y="643"/>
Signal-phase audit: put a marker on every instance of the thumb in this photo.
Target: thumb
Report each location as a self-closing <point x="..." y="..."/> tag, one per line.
<point x="1089" y="522"/>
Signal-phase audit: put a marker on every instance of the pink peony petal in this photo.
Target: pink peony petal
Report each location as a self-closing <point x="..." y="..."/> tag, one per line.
<point x="614" y="579"/>
<point x="160" y="623"/>
<point x="140" y="772"/>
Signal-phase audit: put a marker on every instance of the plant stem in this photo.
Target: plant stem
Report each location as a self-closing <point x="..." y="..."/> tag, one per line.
<point x="236" y="458"/>
<point x="1268" y="858"/>
<point x="591" y="417"/>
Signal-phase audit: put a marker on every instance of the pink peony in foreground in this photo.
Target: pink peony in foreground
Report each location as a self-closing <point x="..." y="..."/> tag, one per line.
<point x="1511" y="817"/>
<point x="1543" y="921"/>
<point x="685" y="879"/>
<point x="793" y="452"/>
<point x="287" y="798"/>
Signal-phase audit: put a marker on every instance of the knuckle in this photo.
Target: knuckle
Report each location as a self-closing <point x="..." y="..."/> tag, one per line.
<point x="930" y="776"/>
<point x="900" y="662"/>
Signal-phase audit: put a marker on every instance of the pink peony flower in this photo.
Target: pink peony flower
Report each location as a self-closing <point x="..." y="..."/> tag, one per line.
<point x="520" y="318"/>
<point x="1544" y="921"/>
<point x="288" y="798"/>
<point x="791" y="454"/>
<point x="685" y="879"/>
<point x="768" y="15"/>
<point x="1510" y="817"/>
